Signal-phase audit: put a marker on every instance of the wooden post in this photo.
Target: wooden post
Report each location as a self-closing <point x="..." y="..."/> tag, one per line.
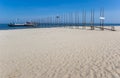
<point x="65" y="19"/>
<point x="84" y="19"/>
<point x="101" y="19"/>
<point x="92" y="19"/>
<point x="77" y="19"/>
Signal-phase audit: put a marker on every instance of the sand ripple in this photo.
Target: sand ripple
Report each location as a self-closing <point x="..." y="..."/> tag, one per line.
<point x="59" y="53"/>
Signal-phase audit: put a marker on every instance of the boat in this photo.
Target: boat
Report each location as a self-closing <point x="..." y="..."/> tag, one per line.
<point x="28" y="24"/>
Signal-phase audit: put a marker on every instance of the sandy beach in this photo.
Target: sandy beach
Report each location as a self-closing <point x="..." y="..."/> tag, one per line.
<point x="59" y="53"/>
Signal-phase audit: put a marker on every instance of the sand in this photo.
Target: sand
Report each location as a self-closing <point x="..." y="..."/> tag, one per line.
<point x="59" y="53"/>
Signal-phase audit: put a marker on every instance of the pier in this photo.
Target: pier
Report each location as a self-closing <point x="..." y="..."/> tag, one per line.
<point x="77" y="19"/>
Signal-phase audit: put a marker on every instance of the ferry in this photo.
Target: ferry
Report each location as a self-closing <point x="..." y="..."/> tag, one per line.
<point x="29" y="24"/>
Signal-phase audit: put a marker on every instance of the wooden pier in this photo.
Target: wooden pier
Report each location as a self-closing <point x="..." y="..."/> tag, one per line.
<point x="75" y="19"/>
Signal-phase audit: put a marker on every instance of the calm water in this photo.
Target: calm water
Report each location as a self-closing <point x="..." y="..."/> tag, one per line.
<point x="6" y="27"/>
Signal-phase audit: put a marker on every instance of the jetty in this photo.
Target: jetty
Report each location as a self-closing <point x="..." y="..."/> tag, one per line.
<point x="72" y="19"/>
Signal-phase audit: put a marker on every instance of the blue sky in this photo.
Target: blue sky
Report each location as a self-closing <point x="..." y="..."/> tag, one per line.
<point x="27" y="9"/>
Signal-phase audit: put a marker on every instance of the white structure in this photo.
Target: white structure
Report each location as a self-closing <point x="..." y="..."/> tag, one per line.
<point x="102" y="18"/>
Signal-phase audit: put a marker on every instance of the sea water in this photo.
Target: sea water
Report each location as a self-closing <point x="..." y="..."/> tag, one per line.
<point x="6" y="27"/>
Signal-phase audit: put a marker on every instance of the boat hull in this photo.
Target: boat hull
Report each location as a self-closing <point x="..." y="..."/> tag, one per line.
<point x="20" y="25"/>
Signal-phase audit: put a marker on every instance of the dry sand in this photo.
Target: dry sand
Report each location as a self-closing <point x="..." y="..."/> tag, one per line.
<point x="59" y="53"/>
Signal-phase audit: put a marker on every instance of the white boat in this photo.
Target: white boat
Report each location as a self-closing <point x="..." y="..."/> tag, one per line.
<point x="16" y="25"/>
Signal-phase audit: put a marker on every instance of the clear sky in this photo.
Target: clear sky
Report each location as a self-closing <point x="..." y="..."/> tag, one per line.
<point x="26" y="9"/>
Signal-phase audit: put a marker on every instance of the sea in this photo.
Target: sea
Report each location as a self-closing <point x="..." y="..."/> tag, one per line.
<point x="6" y="27"/>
